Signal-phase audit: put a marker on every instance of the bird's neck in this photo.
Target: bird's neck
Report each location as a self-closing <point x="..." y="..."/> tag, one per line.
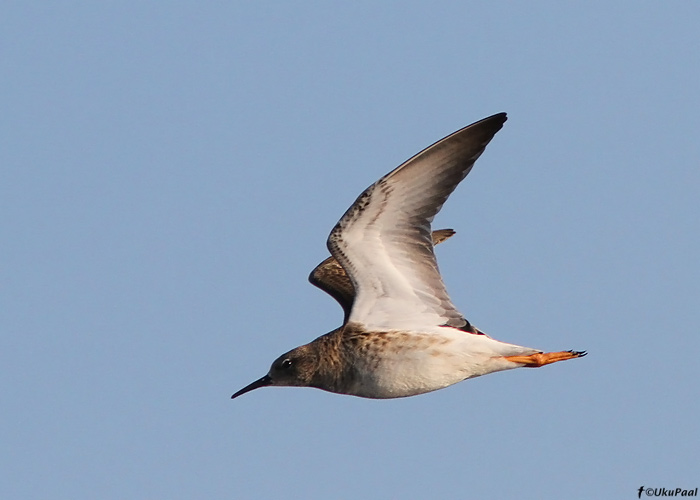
<point x="334" y="366"/>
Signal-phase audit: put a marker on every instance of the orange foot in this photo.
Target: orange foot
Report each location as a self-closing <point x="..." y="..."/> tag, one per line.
<point x="545" y="358"/>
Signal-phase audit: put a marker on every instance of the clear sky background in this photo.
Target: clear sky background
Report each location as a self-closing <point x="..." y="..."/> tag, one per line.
<point x="169" y="173"/>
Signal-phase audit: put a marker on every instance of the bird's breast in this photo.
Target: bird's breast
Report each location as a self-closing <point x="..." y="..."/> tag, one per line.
<point x="398" y="363"/>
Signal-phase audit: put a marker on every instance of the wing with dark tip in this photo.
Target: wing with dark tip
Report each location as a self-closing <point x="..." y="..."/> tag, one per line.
<point x="330" y="276"/>
<point x="383" y="242"/>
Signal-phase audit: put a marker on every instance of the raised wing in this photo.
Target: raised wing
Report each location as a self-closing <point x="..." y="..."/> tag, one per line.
<point x="330" y="277"/>
<point x="384" y="244"/>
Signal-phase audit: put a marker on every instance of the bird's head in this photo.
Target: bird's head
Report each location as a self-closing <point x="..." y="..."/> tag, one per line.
<point x="294" y="368"/>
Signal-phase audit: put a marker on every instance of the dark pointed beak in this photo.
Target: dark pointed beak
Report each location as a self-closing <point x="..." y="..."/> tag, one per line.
<point x="263" y="382"/>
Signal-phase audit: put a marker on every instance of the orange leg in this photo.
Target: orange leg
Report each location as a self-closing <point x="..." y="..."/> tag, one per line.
<point x="545" y="358"/>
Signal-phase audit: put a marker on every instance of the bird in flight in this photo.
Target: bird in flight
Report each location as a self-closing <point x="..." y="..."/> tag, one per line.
<point x="401" y="334"/>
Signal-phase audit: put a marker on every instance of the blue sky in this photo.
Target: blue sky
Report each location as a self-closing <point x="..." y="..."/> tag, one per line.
<point x="170" y="173"/>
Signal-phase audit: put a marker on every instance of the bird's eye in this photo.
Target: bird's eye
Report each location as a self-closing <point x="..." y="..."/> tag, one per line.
<point x="286" y="364"/>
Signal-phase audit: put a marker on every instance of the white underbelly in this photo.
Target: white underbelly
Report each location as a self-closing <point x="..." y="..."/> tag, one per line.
<point x="427" y="362"/>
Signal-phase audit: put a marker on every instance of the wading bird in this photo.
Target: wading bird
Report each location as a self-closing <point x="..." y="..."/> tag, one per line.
<point x="401" y="335"/>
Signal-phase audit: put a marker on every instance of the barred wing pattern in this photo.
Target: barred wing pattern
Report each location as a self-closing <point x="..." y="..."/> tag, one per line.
<point x="383" y="242"/>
